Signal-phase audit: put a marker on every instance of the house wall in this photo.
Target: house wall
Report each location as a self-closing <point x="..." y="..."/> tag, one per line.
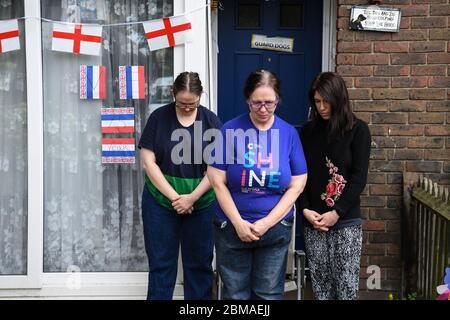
<point x="399" y="84"/>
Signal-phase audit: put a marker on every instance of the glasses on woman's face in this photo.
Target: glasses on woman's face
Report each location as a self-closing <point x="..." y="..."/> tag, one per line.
<point x="187" y="105"/>
<point x="270" y="105"/>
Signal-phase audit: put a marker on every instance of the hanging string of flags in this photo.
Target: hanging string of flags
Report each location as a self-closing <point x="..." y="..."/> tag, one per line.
<point x="81" y="38"/>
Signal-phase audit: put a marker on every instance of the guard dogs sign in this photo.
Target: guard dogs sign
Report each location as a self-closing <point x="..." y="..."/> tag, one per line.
<point x="374" y="18"/>
<point x="272" y="43"/>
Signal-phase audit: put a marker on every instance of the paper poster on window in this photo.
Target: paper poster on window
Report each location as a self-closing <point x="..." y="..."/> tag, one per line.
<point x="117" y="120"/>
<point x="118" y="150"/>
<point x="374" y="18"/>
<point x="92" y="82"/>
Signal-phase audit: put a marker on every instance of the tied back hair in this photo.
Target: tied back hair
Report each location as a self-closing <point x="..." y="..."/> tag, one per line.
<point x="188" y="81"/>
<point x="333" y="90"/>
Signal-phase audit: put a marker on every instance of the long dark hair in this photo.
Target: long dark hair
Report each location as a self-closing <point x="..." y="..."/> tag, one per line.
<point x="188" y="81"/>
<point x="261" y="78"/>
<point x="332" y="88"/>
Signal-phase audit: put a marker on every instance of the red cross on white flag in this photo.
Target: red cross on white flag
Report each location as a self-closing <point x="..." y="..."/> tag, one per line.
<point x="77" y="38"/>
<point x="167" y="32"/>
<point x="9" y="36"/>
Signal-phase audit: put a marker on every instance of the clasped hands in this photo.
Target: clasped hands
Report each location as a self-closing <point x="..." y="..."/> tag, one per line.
<point x="321" y="222"/>
<point x="184" y="203"/>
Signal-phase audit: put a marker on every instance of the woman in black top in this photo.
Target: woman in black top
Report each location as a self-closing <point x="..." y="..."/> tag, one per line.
<point x="177" y="202"/>
<point x="337" y="150"/>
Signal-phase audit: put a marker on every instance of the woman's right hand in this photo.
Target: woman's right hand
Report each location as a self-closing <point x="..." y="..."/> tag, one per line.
<point x="315" y="219"/>
<point x="244" y="231"/>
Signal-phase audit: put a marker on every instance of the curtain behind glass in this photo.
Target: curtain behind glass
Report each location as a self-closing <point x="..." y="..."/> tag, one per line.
<point x="13" y="151"/>
<point x="92" y="211"/>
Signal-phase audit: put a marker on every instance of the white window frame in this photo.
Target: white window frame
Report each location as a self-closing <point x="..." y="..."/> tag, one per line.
<point x="36" y="283"/>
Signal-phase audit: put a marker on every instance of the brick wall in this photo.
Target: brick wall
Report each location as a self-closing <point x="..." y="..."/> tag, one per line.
<point x="399" y="84"/>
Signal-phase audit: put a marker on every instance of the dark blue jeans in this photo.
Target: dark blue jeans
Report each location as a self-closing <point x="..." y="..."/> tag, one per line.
<point x="164" y="231"/>
<point x="252" y="270"/>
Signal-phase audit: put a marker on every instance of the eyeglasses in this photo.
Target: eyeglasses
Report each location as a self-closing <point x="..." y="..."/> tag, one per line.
<point x="270" y="105"/>
<point x="187" y="105"/>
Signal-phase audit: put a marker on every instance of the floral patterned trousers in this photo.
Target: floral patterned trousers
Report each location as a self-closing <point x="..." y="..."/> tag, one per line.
<point x="334" y="261"/>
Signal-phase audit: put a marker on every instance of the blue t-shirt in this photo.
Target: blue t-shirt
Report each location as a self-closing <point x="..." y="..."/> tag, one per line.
<point x="259" y="166"/>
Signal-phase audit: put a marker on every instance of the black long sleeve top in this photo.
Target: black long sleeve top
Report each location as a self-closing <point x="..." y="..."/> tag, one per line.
<point x="337" y="171"/>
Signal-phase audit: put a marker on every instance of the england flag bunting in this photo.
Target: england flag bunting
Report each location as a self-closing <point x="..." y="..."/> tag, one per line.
<point x="92" y="82"/>
<point x="77" y="38"/>
<point x="9" y="36"/>
<point x="168" y="32"/>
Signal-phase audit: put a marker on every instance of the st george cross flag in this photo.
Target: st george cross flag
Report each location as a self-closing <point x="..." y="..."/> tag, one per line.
<point x="92" y="82"/>
<point x="77" y="38"/>
<point x="118" y="150"/>
<point x="117" y="120"/>
<point x="167" y="32"/>
<point x="9" y="36"/>
<point x="131" y="82"/>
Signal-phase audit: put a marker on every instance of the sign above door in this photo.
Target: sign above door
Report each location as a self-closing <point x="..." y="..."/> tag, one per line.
<point x="272" y="43"/>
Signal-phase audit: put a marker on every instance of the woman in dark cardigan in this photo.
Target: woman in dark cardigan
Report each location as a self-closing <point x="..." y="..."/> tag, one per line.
<point x="337" y="150"/>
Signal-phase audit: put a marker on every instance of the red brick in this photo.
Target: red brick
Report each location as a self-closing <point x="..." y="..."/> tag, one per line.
<point x="437" y="130"/>
<point x="374" y="177"/>
<point x="428" y="22"/>
<point x="426" y="118"/>
<point x="427" y="94"/>
<point x="389" y="47"/>
<point x="393" y="225"/>
<point x="410" y="35"/>
<point x="344" y="59"/>
<point x="427" y="46"/>
<point x="373" y="36"/>
<point x="384" y="117"/>
<point x="372" y="82"/>
<point x="349" y="82"/>
<point x="439" y="82"/>
<point x="440" y="34"/>
<point x="391" y="71"/>
<point x="409" y="82"/>
<point x="377" y="154"/>
<point x="394" y="94"/>
<point x="423" y="166"/>
<point x="394" y="273"/>
<point x="413" y="10"/>
<point x="342" y="23"/>
<point x="406" y="130"/>
<point x="373" y="249"/>
<point x="371" y="106"/>
<point x="364" y="116"/>
<point x="428" y="70"/>
<point x="354" y="47"/>
<point x="429" y="1"/>
<point x="385" y="190"/>
<point x="440" y="10"/>
<point x="439" y="178"/>
<point x="408" y="58"/>
<point x="354" y="71"/>
<point x="379" y="130"/>
<point x="407" y="105"/>
<point x="359" y="94"/>
<point x="344" y="11"/>
<point x="386" y="166"/>
<point x="384" y="213"/>
<point x="393" y="249"/>
<point x="405" y="23"/>
<point x="447" y="166"/>
<point x="366" y="59"/>
<point x="426" y="142"/>
<point x="438" y="57"/>
<point x="385" y="237"/>
<point x="405" y="154"/>
<point x="345" y="35"/>
<point x="373" y="225"/>
<point x="438" y="106"/>
<point x="390" y="142"/>
<point x="435" y="154"/>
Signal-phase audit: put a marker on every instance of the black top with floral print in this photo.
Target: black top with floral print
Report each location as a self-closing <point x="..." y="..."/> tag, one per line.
<point x="337" y="171"/>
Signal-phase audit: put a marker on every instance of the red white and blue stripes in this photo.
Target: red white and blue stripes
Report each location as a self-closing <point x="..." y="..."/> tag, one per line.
<point x="92" y="82"/>
<point x="118" y="150"/>
<point x="117" y="120"/>
<point x="131" y="82"/>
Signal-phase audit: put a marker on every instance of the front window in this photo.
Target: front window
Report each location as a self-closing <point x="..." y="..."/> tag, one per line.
<point x="92" y="214"/>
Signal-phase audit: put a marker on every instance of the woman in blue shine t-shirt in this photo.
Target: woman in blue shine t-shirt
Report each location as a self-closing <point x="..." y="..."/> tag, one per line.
<point x="261" y="174"/>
